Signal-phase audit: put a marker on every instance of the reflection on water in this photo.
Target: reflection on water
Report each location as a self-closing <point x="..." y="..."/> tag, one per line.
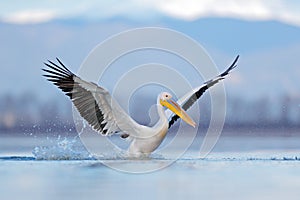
<point x="239" y="168"/>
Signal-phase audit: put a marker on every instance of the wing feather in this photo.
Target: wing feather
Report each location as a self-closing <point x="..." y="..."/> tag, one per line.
<point x="93" y="103"/>
<point x="191" y="97"/>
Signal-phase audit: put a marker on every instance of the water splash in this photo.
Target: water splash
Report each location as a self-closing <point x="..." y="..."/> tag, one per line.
<point x="62" y="149"/>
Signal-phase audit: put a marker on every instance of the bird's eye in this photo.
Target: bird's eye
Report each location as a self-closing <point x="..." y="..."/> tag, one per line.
<point x="167" y="95"/>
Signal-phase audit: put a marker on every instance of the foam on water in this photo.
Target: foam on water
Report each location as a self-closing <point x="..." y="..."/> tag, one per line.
<point x="66" y="148"/>
<point x="73" y="149"/>
<point x="62" y="149"/>
<point x="54" y="155"/>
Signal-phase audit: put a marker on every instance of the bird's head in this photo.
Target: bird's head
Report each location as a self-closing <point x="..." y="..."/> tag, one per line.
<point x="164" y="96"/>
<point x="165" y="99"/>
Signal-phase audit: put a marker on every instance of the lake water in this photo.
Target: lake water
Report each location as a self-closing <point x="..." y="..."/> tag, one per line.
<point x="238" y="168"/>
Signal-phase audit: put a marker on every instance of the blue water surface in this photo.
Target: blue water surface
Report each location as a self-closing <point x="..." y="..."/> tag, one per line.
<point x="238" y="168"/>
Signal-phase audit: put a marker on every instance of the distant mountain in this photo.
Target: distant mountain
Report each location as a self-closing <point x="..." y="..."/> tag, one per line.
<point x="222" y="33"/>
<point x="264" y="88"/>
<point x="269" y="50"/>
<point x="233" y="34"/>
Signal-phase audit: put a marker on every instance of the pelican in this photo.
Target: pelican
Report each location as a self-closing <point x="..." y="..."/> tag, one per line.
<point x="105" y="115"/>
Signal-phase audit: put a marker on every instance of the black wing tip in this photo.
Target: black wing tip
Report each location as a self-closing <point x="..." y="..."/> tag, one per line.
<point x="231" y="67"/>
<point x="173" y="120"/>
<point x="234" y="63"/>
<point x="60" y="62"/>
<point x="57" y="67"/>
<point x="58" y="75"/>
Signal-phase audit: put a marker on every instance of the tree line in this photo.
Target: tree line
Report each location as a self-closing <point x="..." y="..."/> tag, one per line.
<point x="27" y="112"/>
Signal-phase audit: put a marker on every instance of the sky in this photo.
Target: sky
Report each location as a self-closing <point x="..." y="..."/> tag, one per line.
<point x="265" y="33"/>
<point x="253" y="38"/>
<point x="31" y="11"/>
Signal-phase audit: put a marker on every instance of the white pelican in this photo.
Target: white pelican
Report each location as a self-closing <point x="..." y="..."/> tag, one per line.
<point x="105" y="116"/>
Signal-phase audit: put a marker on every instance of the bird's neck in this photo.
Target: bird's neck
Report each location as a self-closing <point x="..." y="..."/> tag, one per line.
<point x="163" y="121"/>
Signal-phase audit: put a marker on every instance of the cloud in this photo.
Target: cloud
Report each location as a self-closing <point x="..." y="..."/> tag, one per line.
<point x="279" y="10"/>
<point x="29" y="17"/>
<point x="193" y="9"/>
<point x="286" y="11"/>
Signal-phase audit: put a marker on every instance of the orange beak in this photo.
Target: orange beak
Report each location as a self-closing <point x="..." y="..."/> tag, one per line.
<point x="175" y="108"/>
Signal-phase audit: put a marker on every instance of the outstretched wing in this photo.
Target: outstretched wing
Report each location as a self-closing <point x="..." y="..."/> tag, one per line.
<point x="94" y="103"/>
<point x="191" y="97"/>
